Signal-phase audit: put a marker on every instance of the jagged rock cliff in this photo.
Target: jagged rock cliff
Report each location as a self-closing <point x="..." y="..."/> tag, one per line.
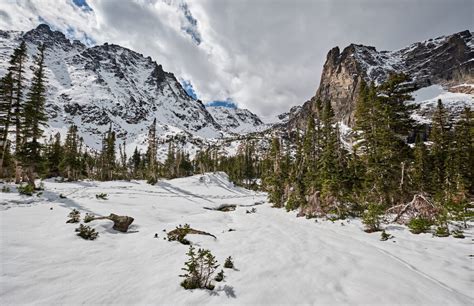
<point x="447" y="61"/>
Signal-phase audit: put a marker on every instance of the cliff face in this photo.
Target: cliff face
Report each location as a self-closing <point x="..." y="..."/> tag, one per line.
<point x="446" y="61"/>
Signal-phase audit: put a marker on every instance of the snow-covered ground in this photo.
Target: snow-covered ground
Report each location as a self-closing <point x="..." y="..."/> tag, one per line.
<point x="279" y="259"/>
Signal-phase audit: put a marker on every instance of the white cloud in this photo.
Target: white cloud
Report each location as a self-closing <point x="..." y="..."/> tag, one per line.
<point x="266" y="55"/>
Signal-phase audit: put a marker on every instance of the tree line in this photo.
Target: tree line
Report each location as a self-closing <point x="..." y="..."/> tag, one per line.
<point x="310" y="170"/>
<point x="381" y="169"/>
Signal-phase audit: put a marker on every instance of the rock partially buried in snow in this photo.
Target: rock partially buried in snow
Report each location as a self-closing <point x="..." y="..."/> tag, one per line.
<point x="121" y="223"/>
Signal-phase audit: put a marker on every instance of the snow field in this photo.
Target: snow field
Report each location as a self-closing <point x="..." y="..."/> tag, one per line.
<point x="279" y="259"/>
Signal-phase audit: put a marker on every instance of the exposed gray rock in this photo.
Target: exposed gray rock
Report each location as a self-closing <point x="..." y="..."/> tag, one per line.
<point x="445" y="60"/>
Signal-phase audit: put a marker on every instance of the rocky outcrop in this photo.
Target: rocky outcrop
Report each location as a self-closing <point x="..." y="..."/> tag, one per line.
<point x="236" y="120"/>
<point x="446" y="60"/>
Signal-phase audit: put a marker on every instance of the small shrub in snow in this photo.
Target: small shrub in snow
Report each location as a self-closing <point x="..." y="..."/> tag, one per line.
<point x="252" y="211"/>
<point x="180" y="233"/>
<point x="152" y="181"/>
<point x="419" y="225"/>
<point x="441" y="231"/>
<point x="220" y="276"/>
<point x="74" y="216"/>
<point x="384" y="236"/>
<point x="229" y="264"/>
<point x="26" y="190"/>
<point x="88" y="218"/>
<point x="5" y="189"/>
<point x="86" y="232"/>
<point x="101" y="196"/>
<point x="199" y="269"/>
<point x="458" y="234"/>
<point x="372" y="218"/>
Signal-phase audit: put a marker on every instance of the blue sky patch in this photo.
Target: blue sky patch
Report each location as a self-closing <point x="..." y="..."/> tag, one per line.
<point x="82" y="4"/>
<point x="188" y="87"/>
<point x="226" y="103"/>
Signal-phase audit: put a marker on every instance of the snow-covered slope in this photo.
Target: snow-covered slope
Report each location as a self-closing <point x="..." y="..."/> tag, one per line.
<point x="236" y="120"/>
<point x="279" y="259"/>
<point x="108" y="85"/>
<point x="455" y="102"/>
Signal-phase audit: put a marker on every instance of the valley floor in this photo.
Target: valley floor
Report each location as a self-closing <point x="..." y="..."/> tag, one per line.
<point x="279" y="259"/>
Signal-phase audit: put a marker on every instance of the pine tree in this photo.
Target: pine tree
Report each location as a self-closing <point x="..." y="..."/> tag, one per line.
<point x="108" y="158"/>
<point x="6" y="103"/>
<point x="439" y="148"/>
<point x="170" y="162"/>
<point x="136" y="163"/>
<point x="54" y="155"/>
<point x="464" y="136"/>
<point x="310" y="156"/>
<point x="382" y="121"/>
<point x="328" y="164"/>
<point x="421" y="171"/>
<point x="70" y="161"/>
<point x="17" y="70"/>
<point x="35" y="118"/>
<point x="274" y="180"/>
<point x="123" y="160"/>
<point x="151" y="153"/>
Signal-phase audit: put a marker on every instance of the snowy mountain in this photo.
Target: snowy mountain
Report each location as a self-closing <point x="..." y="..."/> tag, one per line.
<point x="109" y="85"/>
<point x="446" y="61"/>
<point x="236" y="120"/>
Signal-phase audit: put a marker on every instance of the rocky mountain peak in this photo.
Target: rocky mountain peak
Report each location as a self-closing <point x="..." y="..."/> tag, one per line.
<point x="52" y="39"/>
<point x="111" y="86"/>
<point x="446" y="60"/>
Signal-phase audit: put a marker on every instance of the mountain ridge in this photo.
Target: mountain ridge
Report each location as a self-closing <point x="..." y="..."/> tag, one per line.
<point x="108" y="85"/>
<point x="445" y="60"/>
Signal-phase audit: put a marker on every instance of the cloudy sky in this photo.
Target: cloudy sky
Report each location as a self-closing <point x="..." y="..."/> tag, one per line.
<point x="264" y="55"/>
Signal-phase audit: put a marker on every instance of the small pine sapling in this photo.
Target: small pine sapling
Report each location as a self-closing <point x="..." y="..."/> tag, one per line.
<point x="252" y="211"/>
<point x="86" y="232"/>
<point x="181" y="231"/>
<point x="74" y="216"/>
<point x="229" y="264"/>
<point x="220" y="276"/>
<point x="458" y="234"/>
<point x="385" y="236"/>
<point x="26" y="190"/>
<point x="88" y="218"/>
<point x="101" y="196"/>
<point x="372" y="218"/>
<point x="199" y="269"/>
<point x="419" y="225"/>
<point x="442" y="229"/>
